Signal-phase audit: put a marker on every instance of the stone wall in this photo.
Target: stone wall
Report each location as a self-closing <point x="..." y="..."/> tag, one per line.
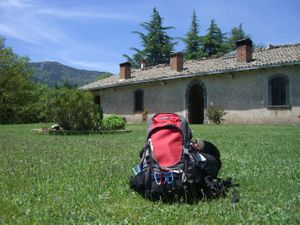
<point x="243" y="95"/>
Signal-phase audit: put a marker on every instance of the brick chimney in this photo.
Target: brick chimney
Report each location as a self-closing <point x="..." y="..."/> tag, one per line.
<point x="176" y="61"/>
<point x="143" y="64"/>
<point x="125" y="70"/>
<point x="244" y="50"/>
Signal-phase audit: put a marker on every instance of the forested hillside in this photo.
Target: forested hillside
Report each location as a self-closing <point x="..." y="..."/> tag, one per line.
<point x="54" y="73"/>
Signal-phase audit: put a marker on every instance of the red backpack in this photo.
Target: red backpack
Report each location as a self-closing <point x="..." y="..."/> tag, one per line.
<point x="173" y="167"/>
<point x="168" y="135"/>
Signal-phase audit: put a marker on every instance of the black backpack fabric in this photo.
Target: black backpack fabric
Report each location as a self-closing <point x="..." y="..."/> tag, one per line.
<point x="192" y="178"/>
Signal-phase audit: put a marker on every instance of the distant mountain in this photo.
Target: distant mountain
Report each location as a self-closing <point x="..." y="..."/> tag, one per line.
<point x="54" y="73"/>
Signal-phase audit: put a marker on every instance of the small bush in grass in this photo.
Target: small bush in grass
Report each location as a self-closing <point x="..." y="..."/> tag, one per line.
<point x="113" y="122"/>
<point x="145" y="115"/>
<point x="215" y="114"/>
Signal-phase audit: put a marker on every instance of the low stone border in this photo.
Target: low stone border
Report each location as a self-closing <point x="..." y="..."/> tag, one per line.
<point x="75" y="132"/>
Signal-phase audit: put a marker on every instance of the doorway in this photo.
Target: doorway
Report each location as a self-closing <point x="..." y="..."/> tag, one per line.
<point x="196" y="95"/>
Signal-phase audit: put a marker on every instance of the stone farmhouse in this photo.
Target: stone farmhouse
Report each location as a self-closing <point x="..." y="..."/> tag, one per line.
<point x="253" y="86"/>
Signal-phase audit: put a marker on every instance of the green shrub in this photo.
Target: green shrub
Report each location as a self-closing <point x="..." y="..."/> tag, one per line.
<point x="72" y="109"/>
<point x="215" y="114"/>
<point x="113" y="122"/>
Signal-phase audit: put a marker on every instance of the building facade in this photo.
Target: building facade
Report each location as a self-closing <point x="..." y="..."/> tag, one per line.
<point x="260" y="86"/>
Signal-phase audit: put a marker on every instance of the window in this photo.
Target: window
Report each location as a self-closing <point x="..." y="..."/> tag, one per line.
<point x="279" y="90"/>
<point x="97" y="99"/>
<point x="139" y="100"/>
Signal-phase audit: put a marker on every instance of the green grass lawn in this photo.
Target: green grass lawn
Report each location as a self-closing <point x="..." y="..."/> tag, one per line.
<point x="83" y="179"/>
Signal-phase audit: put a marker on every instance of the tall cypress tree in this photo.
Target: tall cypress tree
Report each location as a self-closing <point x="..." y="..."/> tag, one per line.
<point x="156" y="43"/>
<point x="193" y="41"/>
<point x="213" y="41"/>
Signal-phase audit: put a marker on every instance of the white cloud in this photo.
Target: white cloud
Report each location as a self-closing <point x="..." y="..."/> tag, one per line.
<point x="9" y="4"/>
<point x="42" y="28"/>
<point x="36" y="23"/>
<point x="69" y="56"/>
<point x="32" y="30"/>
<point x="10" y="31"/>
<point x="92" y="65"/>
<point x="19" y="20"/>
<point x="84" y="13"/>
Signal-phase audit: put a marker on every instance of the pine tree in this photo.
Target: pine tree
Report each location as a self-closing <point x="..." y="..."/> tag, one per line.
<point x="156" y="43"/>
<point x="236" y="33"/>
<point x="193" y="41"/>
<point x="135" y="59"/>
<point x="213" y="42"/>
<point x="2" y="42"/>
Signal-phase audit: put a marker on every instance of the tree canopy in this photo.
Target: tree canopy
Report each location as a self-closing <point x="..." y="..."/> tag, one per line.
<point x="157" y="44"/>
<point x="236" y="33"/>
<point x="213" y="41"/>
<point x="15" y="87"/>
<point x="192" y="41"/>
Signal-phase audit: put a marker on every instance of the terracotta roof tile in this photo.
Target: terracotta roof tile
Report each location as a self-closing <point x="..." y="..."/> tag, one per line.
<point x="262" y="58"/>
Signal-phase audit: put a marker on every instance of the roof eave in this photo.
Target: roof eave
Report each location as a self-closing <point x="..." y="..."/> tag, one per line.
<point x="209" y="73"/>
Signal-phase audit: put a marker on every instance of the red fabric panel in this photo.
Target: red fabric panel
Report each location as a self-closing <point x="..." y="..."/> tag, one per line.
<point x="167" y="146"/>
<point x="162" y="119"/>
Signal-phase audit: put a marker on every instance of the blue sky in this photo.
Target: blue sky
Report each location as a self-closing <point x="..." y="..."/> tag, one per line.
<point x="93" y="34"/>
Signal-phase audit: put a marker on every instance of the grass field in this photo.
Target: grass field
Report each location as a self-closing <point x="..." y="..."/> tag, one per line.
<point x="83" y="179"/>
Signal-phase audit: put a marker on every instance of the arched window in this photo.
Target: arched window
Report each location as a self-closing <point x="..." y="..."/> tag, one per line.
<point x="138" y="100"/>
<point x="279" y="90"/>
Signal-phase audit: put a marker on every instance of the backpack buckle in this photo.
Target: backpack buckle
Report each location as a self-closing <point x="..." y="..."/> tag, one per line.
<point x="167" y="178"/>
<point x="155" y="178"/>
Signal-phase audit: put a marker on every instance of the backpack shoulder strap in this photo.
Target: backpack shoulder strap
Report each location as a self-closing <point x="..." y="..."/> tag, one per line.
<point x="186" y="131"/>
